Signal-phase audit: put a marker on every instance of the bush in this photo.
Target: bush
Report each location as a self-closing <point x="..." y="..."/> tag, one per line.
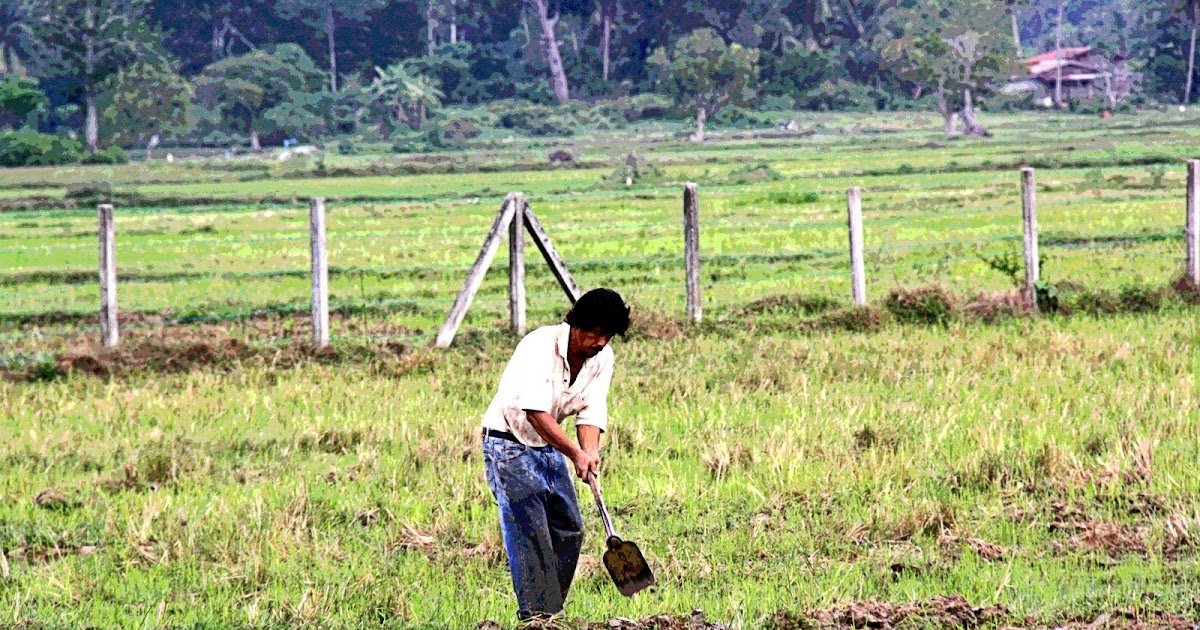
<point x="30" y="148"/>
<point x="926" y="305"/>
<point x="647" y="107"/>
<point x="535" y="120"/>
<point x="111" y="155"/>
<point x="346" y="147"/>
<point x="742" y="118"/>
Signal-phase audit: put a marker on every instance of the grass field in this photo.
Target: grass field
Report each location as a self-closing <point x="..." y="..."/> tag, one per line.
<point x="789" y="455"/>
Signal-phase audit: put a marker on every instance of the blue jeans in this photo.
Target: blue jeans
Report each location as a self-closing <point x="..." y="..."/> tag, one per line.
<point x="539" y="520"/>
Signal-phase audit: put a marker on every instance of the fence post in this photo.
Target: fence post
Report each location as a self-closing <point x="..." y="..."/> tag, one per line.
<point x="858" y="276"/>
<point x="491" y="244"/>
<point x="516" y="265"/>
<point x="691" y="249"/>
<point x="1193" y="223"/>
<point x="109" y="335"/>
<point x="1029" y="211"/>
<point x="320" y="272"/>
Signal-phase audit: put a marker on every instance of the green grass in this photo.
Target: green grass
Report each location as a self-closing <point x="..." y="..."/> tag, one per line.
<point x="763" y="462"/>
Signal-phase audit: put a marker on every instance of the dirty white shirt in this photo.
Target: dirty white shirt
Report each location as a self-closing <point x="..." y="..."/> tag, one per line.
<point x="538" y="378"/>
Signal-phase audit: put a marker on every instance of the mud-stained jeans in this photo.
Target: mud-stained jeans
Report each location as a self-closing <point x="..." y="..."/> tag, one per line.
<point x="539" y="520"/>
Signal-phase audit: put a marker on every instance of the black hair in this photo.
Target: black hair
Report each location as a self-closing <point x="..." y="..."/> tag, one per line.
<point x="600" y="309"/>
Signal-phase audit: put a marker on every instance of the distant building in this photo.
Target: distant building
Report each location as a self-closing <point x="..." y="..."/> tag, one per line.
<point x="1085" y="74"/>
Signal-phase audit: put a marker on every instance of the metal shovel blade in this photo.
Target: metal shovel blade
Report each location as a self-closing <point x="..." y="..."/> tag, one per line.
<point x="627" y="566"/>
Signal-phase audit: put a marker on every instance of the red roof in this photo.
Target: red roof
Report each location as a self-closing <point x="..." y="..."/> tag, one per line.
<point x="1064" y="53"/>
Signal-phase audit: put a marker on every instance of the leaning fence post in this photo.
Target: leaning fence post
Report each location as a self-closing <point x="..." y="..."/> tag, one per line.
<point x="320" y="272"/>
<point x="1029" y="211"/>
<point x="858" y="276"/>
<point x="108" y="277"/>
<point x="516" y="265"/>
<point x="1193" y="223"/>
<point x="691" y="249"/>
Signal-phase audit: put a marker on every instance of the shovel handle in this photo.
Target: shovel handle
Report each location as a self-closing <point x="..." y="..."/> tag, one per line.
<point x="608" y="526"/>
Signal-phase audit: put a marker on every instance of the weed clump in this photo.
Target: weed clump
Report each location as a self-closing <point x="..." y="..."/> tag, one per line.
<point x="932" y="305"/>
<point x="855" y="319"/>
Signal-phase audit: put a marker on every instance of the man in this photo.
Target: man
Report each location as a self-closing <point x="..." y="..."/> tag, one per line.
<point x="555" y="372"/>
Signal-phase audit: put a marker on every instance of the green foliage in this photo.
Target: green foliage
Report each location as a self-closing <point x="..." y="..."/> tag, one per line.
<point x="30" y="148"/>
<point x="243" y="90"/>
<point x="703" y="72"/>
<point x="408" y="96"/>
<point x="110" y="155"/>
<point x="145" y="99"/>
<point x="535" y="120"/>
<point x="20" y="97"/>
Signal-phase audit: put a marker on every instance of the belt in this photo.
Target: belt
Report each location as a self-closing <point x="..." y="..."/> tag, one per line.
<point x="503" y="435"/>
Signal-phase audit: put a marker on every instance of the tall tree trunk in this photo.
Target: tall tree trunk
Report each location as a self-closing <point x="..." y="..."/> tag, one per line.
<point x="558" y="77"/>
<point x="701" y="117"/>
<point x="944" y="109"/>
<point x="91" y="128"/>
<point x="430" y="27"/>
<point x="453" y="22"/>
<point x="971" y="125"/>
<point x="1016" y="28"/>
<point x="607" y="9"/>
<point x="255" y="145"/>
<point x="1058" y="57"/>
<point x="329" y="27"/>
<point x="420" y="117"/>
<point x="92" y="124"/>
<point x="1191" y="64"/>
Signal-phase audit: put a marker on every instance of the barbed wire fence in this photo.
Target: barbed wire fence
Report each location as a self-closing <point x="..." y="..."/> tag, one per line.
<point x="874" y="252"/>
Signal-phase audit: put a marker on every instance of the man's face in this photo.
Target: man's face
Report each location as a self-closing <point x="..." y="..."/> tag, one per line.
<point x="589" y="343"/>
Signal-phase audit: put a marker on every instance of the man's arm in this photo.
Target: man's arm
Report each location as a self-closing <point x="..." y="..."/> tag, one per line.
<point x="586" y="459"/>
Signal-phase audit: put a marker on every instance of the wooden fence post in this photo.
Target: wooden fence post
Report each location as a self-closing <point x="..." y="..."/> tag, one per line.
<point x="516" y="265"/>
<point x="1029" y="211"/>
<point x="320" y="272"/>
<point x="109" y="335"/>
<point x="557" y="266"/>
<point x="1193" y="223"/>
<point x="475" y="276"/>
<point x="691" y="249"/>
<point x="858" y="275"/>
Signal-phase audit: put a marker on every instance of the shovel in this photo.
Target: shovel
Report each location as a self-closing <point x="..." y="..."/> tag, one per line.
<point x="623" y="559"/>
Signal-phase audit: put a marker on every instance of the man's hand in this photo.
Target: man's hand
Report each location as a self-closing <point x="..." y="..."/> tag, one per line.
<point x="586" y="464"/>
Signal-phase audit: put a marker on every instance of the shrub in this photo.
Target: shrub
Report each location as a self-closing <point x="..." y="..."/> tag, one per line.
<point x="931" y="305"/>
<point x="30" y="148"/>
<point x="535" y="120"/>
<point x="111" y="155"/>
<point x="742" y="117"/>
<point x="647" y="107"/>
<point x="346" y="147"/>
<point x="751" y="174"/>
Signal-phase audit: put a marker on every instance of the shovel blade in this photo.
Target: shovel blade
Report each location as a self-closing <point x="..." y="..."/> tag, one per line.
<point x="627" y="566"/>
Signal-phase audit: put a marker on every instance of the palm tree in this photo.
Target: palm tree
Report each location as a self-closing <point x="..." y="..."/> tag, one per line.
<point x="408" y="95"/>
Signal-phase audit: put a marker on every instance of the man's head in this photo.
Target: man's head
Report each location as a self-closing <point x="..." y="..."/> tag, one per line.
<point x="598" y="316"/>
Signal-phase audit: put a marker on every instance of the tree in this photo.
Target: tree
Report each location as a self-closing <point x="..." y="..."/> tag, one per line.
<point x="16" y="33"/>
<point x="558" y="76"/>
<point x="953" y="48"/>
<point x="88" y="41"/>
<point x="145" y="101"/>
<point x="1189" y="10"/>
<point x="20" y="97"/>
<point x="1010" y="7"/>
<point x="407" y="95"/>
<point x="705" y="72"/>
<point x="245" y="89"/>
<point x="325" y="14"/>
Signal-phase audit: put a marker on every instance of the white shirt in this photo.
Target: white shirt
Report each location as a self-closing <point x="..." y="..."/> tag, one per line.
<point x="538" y="378"/>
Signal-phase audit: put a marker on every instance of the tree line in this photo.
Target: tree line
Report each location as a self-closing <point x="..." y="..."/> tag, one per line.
<point x="129" y="72"/>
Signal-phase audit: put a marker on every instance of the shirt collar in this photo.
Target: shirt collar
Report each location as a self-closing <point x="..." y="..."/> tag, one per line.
<point x="562" y="340"/>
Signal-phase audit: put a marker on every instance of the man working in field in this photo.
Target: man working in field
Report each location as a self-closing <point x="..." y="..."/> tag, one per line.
<point x="555" y="372"/>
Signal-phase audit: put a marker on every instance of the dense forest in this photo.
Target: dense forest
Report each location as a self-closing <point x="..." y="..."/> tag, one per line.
<point x="113" y="73"/>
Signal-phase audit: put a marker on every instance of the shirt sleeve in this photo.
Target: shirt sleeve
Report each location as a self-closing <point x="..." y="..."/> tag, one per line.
<point x="595" y="409"/>
<point x="533" y="362"/>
